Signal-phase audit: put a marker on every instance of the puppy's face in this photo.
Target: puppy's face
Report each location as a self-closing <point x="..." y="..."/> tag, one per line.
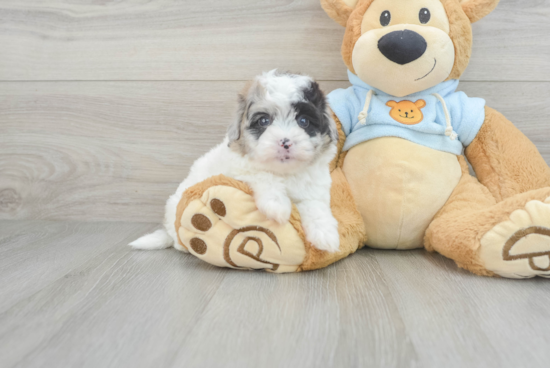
<point x="283" y="123"/>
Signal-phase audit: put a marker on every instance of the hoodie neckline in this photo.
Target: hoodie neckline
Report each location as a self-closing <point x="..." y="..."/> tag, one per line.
<point x="444" y="88"/>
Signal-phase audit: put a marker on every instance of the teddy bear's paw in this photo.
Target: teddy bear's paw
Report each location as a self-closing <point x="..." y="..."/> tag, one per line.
<point x="520" y="247"/>
<point x="225" y="228"/>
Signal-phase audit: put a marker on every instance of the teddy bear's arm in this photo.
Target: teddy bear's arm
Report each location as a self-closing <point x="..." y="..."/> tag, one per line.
<point x="504" y="159"/>
<point x="339" y="158"/>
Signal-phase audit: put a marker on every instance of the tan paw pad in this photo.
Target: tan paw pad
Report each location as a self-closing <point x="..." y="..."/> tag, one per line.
<point x="224" y="228"/>
<point x="520" y="247"/>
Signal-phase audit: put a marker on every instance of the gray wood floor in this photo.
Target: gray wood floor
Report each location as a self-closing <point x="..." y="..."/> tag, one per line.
<point x="103" y="107"/>
<point x="73" y="295"/>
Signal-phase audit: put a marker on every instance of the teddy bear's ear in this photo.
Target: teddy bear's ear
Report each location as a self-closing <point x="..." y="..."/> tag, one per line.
<point x="391" y="103"/>
<point x="420" y="104"/>
<point x="339" y="10"/>
<point x="477" y="9"/>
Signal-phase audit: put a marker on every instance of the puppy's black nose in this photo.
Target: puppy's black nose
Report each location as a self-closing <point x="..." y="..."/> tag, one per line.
<point x="402" y="47"/>
<point x="286" y="143"/>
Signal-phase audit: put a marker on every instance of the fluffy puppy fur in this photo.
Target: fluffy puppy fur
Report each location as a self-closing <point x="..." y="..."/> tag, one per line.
<point x="281" y="145"/>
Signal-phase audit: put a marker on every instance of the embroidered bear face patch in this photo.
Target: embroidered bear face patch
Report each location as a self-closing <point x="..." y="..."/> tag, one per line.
<point x="407" y="112"/>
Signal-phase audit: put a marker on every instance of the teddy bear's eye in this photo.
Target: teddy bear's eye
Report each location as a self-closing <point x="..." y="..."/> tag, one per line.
<point x="385" y="18"/>
<point x="424" y="15"/>
<point x="412" y="110"/>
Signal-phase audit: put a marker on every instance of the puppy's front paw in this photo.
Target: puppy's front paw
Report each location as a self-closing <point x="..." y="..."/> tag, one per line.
<point x="275" y="207"/>
<point x="323" y="236"/>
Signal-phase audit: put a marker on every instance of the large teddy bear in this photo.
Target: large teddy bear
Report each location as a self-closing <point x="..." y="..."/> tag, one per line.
<point x="400" y="179"/>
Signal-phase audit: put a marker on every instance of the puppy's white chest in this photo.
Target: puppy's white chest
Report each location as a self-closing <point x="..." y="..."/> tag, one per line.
<point x="313" y="183"/>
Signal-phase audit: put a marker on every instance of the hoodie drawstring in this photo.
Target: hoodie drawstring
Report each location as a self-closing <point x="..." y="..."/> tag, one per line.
<point x="363" y="115"/>
<point x="449" y="132"/>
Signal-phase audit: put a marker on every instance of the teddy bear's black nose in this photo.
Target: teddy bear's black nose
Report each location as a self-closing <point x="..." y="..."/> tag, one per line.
<point x="402" y="47"/>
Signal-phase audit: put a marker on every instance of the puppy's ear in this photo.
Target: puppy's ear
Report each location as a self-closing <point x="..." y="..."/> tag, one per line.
<point x="234" y="129"/>
<point x="339" y="10"/>
<point x="317" y="97"/>
<point x="477" y="9"/>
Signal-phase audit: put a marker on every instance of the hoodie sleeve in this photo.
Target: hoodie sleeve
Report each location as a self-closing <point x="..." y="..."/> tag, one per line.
<point x="341" y="102"/>
<point x="467" y="116"/>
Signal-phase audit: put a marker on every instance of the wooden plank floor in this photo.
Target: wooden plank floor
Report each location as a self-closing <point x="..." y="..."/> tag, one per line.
<point x="73" y="294"/>
<point x="105" y="104"/>
<point x="96" y="151"/>
<point x="228" y="40"/>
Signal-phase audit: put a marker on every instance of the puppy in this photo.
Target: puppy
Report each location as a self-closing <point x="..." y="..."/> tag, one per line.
<point x="281" y="145"/>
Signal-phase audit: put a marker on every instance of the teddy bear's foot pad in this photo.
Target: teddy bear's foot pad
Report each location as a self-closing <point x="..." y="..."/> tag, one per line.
<point x="224" y="228"/>
<point x="520" y="247"/>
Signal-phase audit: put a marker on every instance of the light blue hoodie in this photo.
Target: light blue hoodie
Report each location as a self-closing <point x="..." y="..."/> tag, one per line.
<point x="466" y="115"/>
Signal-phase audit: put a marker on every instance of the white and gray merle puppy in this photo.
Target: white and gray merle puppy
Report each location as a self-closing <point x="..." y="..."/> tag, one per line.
<point x="281" y="145"/>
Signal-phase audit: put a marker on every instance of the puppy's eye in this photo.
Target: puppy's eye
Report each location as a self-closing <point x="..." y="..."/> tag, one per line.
<point x="303" y="122"/>
<point x="385" y="18"/>
<point x="424" y="15"/>
<point x="264" y="121"/>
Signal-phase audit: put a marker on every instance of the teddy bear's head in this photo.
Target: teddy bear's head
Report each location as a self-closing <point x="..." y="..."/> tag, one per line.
<point x="406" y="46"/>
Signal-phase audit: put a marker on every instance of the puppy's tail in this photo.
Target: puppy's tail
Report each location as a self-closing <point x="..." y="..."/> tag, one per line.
<point x="157" y="240"/>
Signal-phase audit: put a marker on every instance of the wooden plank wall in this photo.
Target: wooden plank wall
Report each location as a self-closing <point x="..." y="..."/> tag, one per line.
<point x="105" y="104"/>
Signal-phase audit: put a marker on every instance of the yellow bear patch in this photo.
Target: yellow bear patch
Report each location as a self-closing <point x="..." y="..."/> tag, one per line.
<point x="407" y="112"/>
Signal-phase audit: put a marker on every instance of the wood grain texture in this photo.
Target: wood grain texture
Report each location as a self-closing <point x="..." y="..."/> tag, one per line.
<point x="114" y="307"/>
<point x="338" y="317"/>
<point x="35" y="254"/>
<point x="102" y="308"/>
<point x="105" y="104"/>
<point x="449" y="312"/>
<point x="115" y="151"/>
<point x="229" y="40"/>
